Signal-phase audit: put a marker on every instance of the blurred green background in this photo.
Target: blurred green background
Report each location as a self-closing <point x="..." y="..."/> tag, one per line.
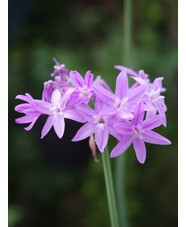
<point x="52" y="182"/>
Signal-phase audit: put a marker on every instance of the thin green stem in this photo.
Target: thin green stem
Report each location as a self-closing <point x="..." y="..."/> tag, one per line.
<point x="120" y="162"/>
<point x="110" y="188"/>
<point x="127" y="32"/>
<point x="120" y="190"/>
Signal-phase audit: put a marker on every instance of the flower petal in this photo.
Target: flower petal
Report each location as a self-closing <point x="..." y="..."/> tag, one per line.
<point x="59" y="125"/>
<point x="43" y="107"/>
<point x="66" y="97"/>
<point x="47" y="126"/>
<point x="31" y="125"/>
<point x="56" y="97"/>
<point x="101" y="136"/>
<point x="88" y="79"/>
<point x="153" y="122"/>
<point x="121" y="146"/>
<point x="140" y="149"/>
<point x="104" y="95"/>
<point x="27" y="97"/>
<point x="76" y="79"/>
<point x="84" y="132"/>
<point x="121" y="85"/>
<point x="25" y="119"/>
<point x="135" y="94"/>
<point x="73" y="114"/>
<point x="99" y="105"/>
<point x="138" y="114"/>
<point x="155" y="138"/>
<point x="21" y="108"/>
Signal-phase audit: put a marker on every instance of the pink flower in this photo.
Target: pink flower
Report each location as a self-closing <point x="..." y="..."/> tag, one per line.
<point x="83" y="90"/>
<point x="139" y="131"/>
<point x="100" y="123"/>
<point x="124" y="99"/>
<point x="57" y="111"/>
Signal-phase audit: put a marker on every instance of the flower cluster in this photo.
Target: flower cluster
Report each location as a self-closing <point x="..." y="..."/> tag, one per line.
<point x="130" y="114"/>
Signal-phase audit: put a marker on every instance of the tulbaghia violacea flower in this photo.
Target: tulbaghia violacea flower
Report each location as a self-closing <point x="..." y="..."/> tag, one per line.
<point x="100" y="123"/>
<point x="83" y="90"/>
<point x="139" y="131"/>
<point x="124" y="100"/>
<point x="120" y="114"/>
<point x="57" y="111"/>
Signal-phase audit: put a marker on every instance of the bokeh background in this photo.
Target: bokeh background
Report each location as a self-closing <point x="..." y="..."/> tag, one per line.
<point x="56" y="183"/>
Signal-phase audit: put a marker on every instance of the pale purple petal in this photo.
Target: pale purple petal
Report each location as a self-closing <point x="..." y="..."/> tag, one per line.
<point x="136" y="93"/>
<point x="88" y="79"/>
<point x="56" y="97"/>
<point x="121" y="146"/>
<point x="99" y="105"/>
<point x="43" y="107"/>
<point x="87" y="112"/>
<point x="104" y="95"/>
<point x="140" y="149"/>
<point x="123" y="127"/>
<point x="138" y="114"/>
<point x="155" y="138"/>
<point x="101" y="136"/>
<point x="121" y="85"/>
<point x="47" y="126"/>
<point x="76" y="79"/>
<point x="73" y="114"/>
<point x="31" y="125"/>
<point x="66" y="97"/>
<point x="84" y="132"/>
<point x="25" y="119"/>
<point x="21" y="108"/>
<point x="59" y="125"/>
<point x="26" y="97"/>
<point x="139" y="80"/>
<point x="153" y="122"/>
<point x="115" y="133"/>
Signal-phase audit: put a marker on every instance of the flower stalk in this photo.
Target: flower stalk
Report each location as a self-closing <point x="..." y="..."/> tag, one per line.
<point x="110" y="189"/>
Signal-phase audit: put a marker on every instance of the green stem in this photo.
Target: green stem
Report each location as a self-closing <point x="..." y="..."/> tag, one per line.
<point x="120" y="162"/>
<point x="120" y="190"/>
<point x="110" y="188"/>
<point x="127" y="32"/>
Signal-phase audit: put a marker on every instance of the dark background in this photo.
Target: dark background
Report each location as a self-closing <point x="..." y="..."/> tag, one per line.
<point x="53" y="182"/>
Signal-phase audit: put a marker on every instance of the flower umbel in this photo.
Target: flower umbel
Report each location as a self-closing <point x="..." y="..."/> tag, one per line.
<point x="130" y="114"/>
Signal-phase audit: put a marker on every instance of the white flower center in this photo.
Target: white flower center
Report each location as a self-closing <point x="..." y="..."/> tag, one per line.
<point x="137" y="130"/>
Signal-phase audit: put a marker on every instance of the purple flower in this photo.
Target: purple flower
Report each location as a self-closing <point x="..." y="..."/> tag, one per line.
<point x="57" y="111"/>
<point x="124" y="99"/>
<point x="29" y="109"/>
<point x="153" y="99"/>
<point x="100" y="123"/>
<point x="139" y="131"/>
<point x="83" y="90"/>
